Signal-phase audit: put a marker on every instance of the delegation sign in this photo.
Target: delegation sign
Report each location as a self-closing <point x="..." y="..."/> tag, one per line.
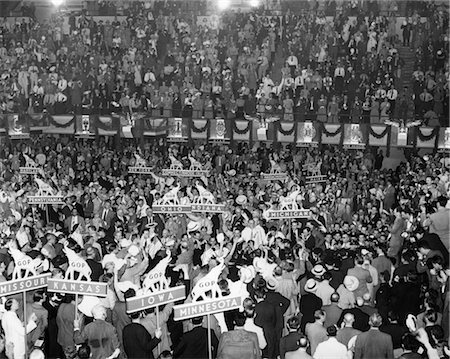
<point x="211" y="306"/>
<point x="152" y="300"/>
<point x="77" y="287"/>
<point x="25" y="284"/>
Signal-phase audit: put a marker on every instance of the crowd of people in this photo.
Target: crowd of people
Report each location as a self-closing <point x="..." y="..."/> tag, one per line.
<point x="373" y="252"/>
<point x="364" y="274"/>
<point x="161" y="59"/>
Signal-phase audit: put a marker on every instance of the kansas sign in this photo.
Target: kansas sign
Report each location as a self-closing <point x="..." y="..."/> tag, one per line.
<point x="25" y="284"/>
<point x="152" y="300"/>
<point x="77" y="287"/>
<point x="212" y="306"/>
<point x="286" y="214"/>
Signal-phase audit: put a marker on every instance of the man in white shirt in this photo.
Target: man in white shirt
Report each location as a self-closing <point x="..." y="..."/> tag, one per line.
<point x="331" y="348"/>
<point x="392" y="95"/>
<point x="292" y="62"/>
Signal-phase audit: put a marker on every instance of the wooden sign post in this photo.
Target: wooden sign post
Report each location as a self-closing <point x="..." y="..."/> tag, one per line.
<point x="23" y="285"/>
<point x="206" y="307"/>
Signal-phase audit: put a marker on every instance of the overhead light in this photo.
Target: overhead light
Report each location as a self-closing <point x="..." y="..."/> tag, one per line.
<point x="254" y="3"/>
<point x="223" y="4"/>
<point x="57" y="3"/>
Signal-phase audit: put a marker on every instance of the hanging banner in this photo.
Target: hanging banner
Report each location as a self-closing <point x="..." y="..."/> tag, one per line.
<point x="18" y="128"/>
<point x="106" y="126"/>
<point x="155" y="127"/>
<point x="218" y="131"/>
<point x="426" y="137"/>
<point x="60" y="124"/>
<point x="375" y="135"/>
<point x="199" y="129"/>
<point x="241" y="130"/>
<point x="286" y="132"/>
<point x="177" y="130"/>
<point x="332" y="134"/>
<point x="444" y="139"/>
<point x="151" y="300"/>
<point x="353" y="137"/>
<point x="306" y="134"/>
<point x="84" y="126"/>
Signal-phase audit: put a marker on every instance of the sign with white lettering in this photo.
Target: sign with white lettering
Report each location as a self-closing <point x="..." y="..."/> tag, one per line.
<point x="152" y="300"/>
<point x="315" y="179"/>
<point x="45" y="200"/>
<point x="172" y="208"/>
<point x="25" y="284"/>
<point x="185" y="173"/>
<point x="77" y="287"/>
<point x="210" y="306"/>
<point x="140" y="170"/>
<point x="211" y="208"/>
<point x="286" y="214"/>
<point x="274" y="176"/>
<point x="29" y="170"/>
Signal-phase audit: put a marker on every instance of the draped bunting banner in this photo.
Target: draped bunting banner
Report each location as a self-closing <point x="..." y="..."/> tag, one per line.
<point x="286" y="131"/>
<point x="426" y="137"/>
<point x="200" y="129"/>
<point x="155" y="126"/>
<point x="242" y="130"/>
<point x="60" y="124"/>
<point x="331" y="134"/>
<point x="107" y="125"/>
<point x="378" y="135"/>
<point x="18" y="126"/>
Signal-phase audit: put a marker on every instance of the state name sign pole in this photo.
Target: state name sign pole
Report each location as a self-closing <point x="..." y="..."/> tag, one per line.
<point x="206" y="307"/>
<point x="154" y="300"/>
<point x="77" y="287"/>
<point x="23" y="285"/>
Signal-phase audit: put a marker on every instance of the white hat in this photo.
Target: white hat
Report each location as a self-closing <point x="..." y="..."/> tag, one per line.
<point x="247" y="274"/>
<point x="87" y="304"/>
<point x="351" y="283"/>
<point x="241" y="199"/>
<point x="311" y="285"/>
<point x="124" y="243"/>
<point x="170" y="181"/>
<point x="133" y="250"/>
<point x="318" y="270"/>
<point x="271" y="283"/>
<point x="231" y="173"/>
<point x="220" y="238"/>
<point x="193" y="226"/>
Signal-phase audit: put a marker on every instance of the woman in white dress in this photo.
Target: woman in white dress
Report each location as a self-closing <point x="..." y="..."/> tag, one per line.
<point x="14" y="328"/>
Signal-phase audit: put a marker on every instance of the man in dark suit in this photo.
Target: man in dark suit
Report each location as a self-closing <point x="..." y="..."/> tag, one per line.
<point x="291" y="341"/>
<point x="107" y="214"/>
<point x="333" y="311"/>
<point x="151" y="218"/>
<point x="74" y="219"/>
<point x="137" y="341"/>
<point x="361" y="318"/>
<point x="266" y="318"/>
<point x="374" y="344"/>
<point x="194" y="344"/>
<point x="281" y="305"/>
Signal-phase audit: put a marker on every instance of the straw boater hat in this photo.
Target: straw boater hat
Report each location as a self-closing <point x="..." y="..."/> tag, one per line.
<point x="311" y="285"/>
<point x="318" y="270"/>
<point x="351" y="283"/>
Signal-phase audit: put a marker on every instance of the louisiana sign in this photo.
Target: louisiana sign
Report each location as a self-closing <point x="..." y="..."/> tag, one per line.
<point x="25" y="284"/>
<point x="211" y="306"/>
<point x="77" y="287"/>
<point x="152" y="300"/>
<point x="45" y="200"/>
<point x="286" y="214"/>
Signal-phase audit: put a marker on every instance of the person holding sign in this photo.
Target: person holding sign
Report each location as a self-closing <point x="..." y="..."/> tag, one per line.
<point x="100" y="335"/>
<point x="137" y="341"/>
<point x="14" y="329"/>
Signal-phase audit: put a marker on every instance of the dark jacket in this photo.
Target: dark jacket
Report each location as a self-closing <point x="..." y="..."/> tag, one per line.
<point x="137" y="342"/>
<point x="289" y="343"/>
<point x="266" y="318"/>
<point x="194" y="344"/>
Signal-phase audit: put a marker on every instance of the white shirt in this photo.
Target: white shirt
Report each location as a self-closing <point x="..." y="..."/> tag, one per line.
<point x="331" y="349"/>
<point x="252" y="327"/>
<point x="15" y="333"/>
